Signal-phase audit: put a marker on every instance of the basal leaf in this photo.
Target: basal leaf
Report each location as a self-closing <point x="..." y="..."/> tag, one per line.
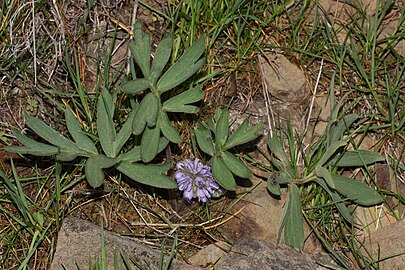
<point x="356" y="191"/>
<point x="204" y="139"/>
<point x="146" y="113"/>
<point x="330" y="151"/>
<point x="162" y="56"/>
<point x="222" y="130"/>
<point x="167" y="129"/>
<point x="31" y="147"/>
<point x="183" y="68"/>
<point x="326" y="175"/>
<point x="124" y="134"/>
<point x="294" y="226"/>
<point x="150" y="143"/>
<point x="49" y="134"/>
<point x="337" y="130"/>
<point x="150" y="175"/>
<point x="222" y="174"/>
<point x="105" y="124"/>
<point x="94" y="169"/>
<point x="276" y="148"/>
<point x="273" y="187"/>
<point x="356" y="158"/>
<point x="134" y="155"/>
<point x="140" y="49"/>
<point x="75" y="129"/>
<point x="242" y="135"/>
<point x="179" y="102"/>
<point x="236" y="166"/>
<point x="135" y="86"/>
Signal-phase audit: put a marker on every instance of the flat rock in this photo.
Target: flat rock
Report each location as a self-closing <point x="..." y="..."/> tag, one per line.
<point x="250" y="253"/>
<point x="388" y="244"/>
<point x="79" y="241"/>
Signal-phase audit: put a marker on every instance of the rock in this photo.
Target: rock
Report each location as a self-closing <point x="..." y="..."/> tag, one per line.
<point x="260" y="218"/>
<point x="209" y="255"/>
<point x="287" y="86"/>
<point x="79" y="241"/>
<point x="386" y="242"/>
<point x="250" y="253"/>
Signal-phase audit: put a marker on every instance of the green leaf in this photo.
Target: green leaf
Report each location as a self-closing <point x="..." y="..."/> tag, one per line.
<point x="326" y="175"/>
<point x="167" y="129"/>
<point x="337" y="130"/>
<point x="276" y="148"/>
<point x="31" y="147"/>
<point x="204" y="139"/>
<point x="135" y="86"/>
<point x="222" y="174"/>
<point x="179" y="102"/>
<point x="94" y="169"/>
<point x="236" y="166"/>
<point x="330" y="151"/>
<point x="146" y="113"/>
<point x="294" y="226"/>
<point x="243" y="135"/>
<point x="337" y="200"/>
<point x="150" y="175"/>
<point x="124" y="134"/>
<point x="150" y="143"/>
<point x="140" y="49"/>
<point x="134" y="155"/>
<point x="356" y="158"/>
<point x="356" y="191"/>
<point x="273" y="187"/>
<point x="49" y="134"/>
<point x="105" y="124"/>
<point x="184" y="68"/>
<point x="75" y="129"/>
<point x="222" y="129"/>
<point x="162" y="56"/>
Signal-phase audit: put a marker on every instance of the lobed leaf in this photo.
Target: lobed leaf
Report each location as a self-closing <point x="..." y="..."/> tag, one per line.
<point x="167" y="129"/>
<point x="135" y="86"/>
<point x="140" y="49"/>
<point x="204" y="139"/>
<point x="134" y="155"/>
<point x="146" y="113"/>
<point x="183" y="68"/>
<point x="94" y="169"/>
<point x="356" y="191"/>
<point x="242" y="135"/>
<point x="49" y="134"/>
<point x="150" y="175"/>
<point x="124" y="134"/>
<point x="179" y="102"/>
<point x="222" y="129"/>
<point x="236" y="166"/>
<point x="75" y="129"/>
<point x="222" y="174"/>
<point x="294" y="226"/>
<point x="162" y="56"/>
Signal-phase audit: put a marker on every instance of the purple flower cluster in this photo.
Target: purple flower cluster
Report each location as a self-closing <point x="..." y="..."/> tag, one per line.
<point x="195" y="180"/>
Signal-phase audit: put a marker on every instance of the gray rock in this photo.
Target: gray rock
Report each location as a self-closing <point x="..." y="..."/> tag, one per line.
<point x="255" y="254"/>
<point x="79" y="241"/>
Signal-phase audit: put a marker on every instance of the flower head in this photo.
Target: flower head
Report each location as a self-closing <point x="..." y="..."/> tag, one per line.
<point x="195" y="180"/>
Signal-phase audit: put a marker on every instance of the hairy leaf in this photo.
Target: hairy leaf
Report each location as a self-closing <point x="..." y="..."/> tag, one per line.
<point x="146" y="113"/>
<point x="150" y="143"/>
<point x="356" y="191"/>
<point x="337" y="130"/>
<point x="94" y="169"/>
<point x="150" y="175"/>
<point x="162" y="56"/>
<point x="330" y="151"/>
<point x="294" y="226"/>
<point x="105" y="124"/>
<point x="167" y="129"/>
<point x="204" y="139"/>
<point x="326" y="175"/>
<point x="236" y="166"/>
<point x="134" y="155"/>
<point x="242" y="135"/>
<point x="124" y="134"/>
<point x="222" y="174"/>
<point x="140" y="49"/>
<point x="222" y="129"/>
<point x="75" y="129"/>
<point x="356" y="158"/>
<point x="276" y="148"/>
<point x="135" y="86"/>
<point x="179" y="103"/>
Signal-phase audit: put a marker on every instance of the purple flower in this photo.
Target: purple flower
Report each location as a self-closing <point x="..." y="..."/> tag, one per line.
<point x="195" y="180"/>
